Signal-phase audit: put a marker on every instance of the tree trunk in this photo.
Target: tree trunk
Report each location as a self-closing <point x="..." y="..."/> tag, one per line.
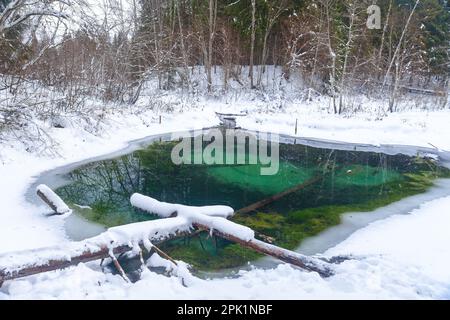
<point x="183" y="47"/>
<point x="212" y="26"/>
<point x="393" y="97"/>
<point x="296" y="259"/>
<point x="383" y="36"/>
<point x="346" y="56"/>
<point x="262" y="68"/>
<point x="400" y="43"/>
<point x="252" y="45"/>
<point x="81" y="252"/>
<point x="333" y="60"/>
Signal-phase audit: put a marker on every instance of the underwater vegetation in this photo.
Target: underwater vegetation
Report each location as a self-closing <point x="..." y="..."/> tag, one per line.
<point x="346" y="181"/>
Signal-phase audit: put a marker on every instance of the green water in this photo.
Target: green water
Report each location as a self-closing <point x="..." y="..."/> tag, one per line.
<point x="345" y="181"/>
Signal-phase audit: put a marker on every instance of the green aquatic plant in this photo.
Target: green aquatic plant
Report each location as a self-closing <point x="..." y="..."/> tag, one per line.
<point x="360" y="175"/>
<point x="290" y="230"/>
<point x="208" y="253"/>
<point x="348" y="181"/>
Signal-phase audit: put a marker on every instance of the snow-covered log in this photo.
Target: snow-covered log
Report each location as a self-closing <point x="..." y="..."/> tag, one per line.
<point x="52" y="199"/>
<point x="133" y="237"/>
<point x="114" y="241"/>
<point x="165" y="210"/>
<point x="213" y="216"/>
<point x="294" y="258"/>
<point x="233" y="232"/>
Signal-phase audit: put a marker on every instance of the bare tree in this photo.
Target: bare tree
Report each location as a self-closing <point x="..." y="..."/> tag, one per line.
<point x="275" y="10"/>
<point x="400" y="43"/>
<point x="396" y="59"/>
<point x="21" y="11"/>
<point x="383" y="36"/>
<point x="252" y="44"/>
<point x="353" y="11"/>
<point x="212" y="17"/>
<point x="327" y="7"/>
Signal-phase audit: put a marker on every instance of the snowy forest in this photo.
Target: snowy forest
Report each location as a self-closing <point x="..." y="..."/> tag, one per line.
<point x="110" y="50"/>
<point x="349" y="100"/>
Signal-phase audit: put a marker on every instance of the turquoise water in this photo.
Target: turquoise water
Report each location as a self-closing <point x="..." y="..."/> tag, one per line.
<point x="344" y="180"/>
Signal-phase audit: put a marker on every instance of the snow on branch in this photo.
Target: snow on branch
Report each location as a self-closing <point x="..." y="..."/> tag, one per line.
<point x="19" y="11"/>
<point x="52" y="199"/>
<point x="145" y="232"/>
<point x="165" y="210"/>
<point x="180" y="270"/>
<point x="179" y="219"/>
<point x="223" y="228"/>
<point x="115" y="240"/>
<point x="212" y="216"/>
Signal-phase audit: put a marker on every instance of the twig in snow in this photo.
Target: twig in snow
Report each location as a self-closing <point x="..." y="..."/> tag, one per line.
<point x="119" y="267"/>
<point x="165" y="255"/>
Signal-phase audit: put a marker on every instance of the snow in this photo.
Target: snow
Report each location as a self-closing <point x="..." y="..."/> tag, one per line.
<point x="139" y="232"/>
<point x="165" y="210"/>
<point x="131" y="235"/>
<point x="413" y="128"/>
<point x="400" y="257"/>
<point x="20" y="168"/>
<point x="214" y="217"/>
<point x="223" y="225"/>
<point x="213" y="223"/>
<point x="61" y="207"/>
<point x="424" y="246"/>
<point x="180" y="270"/>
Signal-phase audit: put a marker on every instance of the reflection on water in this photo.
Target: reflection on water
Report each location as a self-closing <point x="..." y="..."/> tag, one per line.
<point x="346" y="181"/>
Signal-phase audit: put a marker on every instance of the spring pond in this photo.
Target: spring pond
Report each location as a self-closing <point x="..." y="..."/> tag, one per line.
<point x="335" y="182"/>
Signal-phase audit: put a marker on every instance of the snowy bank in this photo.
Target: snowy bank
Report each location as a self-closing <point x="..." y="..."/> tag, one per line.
<point x="401" y="256"/>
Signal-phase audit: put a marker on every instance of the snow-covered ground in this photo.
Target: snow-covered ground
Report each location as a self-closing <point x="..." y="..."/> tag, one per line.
<point x="402" y="256"/>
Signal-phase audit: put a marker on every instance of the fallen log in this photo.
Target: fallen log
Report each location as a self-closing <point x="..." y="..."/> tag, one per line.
<point x="278" y="196"/>
<point x="294" y="258"/>
<point x="52" y="200"/>
<point x="228" y="230"/>
<point x="51" y="264"/>
<point x="133" y="237"/>
<point x="114" y="241"/>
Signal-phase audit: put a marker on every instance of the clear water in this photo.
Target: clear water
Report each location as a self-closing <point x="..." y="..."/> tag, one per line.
<point x="346" y="181"/>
